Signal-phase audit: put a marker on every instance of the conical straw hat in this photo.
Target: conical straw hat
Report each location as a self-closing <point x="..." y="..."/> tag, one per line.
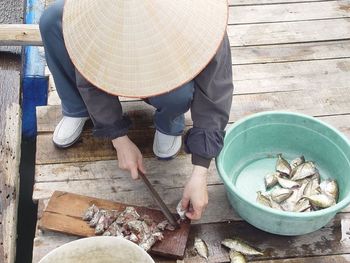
<point x="142" y="48"/>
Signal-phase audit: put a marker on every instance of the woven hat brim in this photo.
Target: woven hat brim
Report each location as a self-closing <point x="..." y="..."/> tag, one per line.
<point x="142" y="48"/>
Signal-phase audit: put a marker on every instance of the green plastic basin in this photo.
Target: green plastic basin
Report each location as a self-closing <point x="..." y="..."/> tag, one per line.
<point x="249" y="153"/>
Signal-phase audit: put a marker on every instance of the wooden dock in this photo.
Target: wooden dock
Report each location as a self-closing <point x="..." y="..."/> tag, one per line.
<point x="10" y="134"/>
<point x="287" y="55"/>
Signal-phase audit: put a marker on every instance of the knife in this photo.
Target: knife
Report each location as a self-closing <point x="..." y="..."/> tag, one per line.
<point x="171" y="218"/>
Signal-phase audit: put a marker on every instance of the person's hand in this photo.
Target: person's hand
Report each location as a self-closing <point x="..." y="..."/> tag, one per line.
<point x="195" y="195"/>
<point x="129" y="156"/>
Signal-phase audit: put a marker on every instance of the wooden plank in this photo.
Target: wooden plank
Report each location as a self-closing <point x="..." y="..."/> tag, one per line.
<point x="267" y="2"/>
<point x="19" y="34"/>
<point x="322" y="102"/>
<point x="325" y="74"/>
<point x="290" y="53"/>
<point x="323" y="259"/>
<point x="296" y="75"/>
<point x="323" y="245"/>
<point x="11" y="11"/>
<point x="325" y="241"/>
<point x="288" y="12"/>
<point x="218" y="209"/>
<point x="291" y="32"/>
<point x="247" y="79"/>
<point x="10" y="140"/>
<point x="64" y="211"/>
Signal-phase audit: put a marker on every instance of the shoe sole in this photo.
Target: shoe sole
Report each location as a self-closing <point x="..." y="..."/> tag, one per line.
<point x="168" y="158"/>
<point x="60" y="146"/>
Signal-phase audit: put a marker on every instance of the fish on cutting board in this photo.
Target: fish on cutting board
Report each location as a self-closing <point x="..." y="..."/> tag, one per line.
<point x="128" y="224"/>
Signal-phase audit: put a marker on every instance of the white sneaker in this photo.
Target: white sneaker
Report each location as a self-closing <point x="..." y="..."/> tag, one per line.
<point x="68" y="131"/>
<point x="166" y="147"/>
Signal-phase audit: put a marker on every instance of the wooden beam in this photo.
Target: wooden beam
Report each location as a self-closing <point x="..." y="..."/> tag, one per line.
<point x="10" y="140"/>
<point x="19" y="35"/>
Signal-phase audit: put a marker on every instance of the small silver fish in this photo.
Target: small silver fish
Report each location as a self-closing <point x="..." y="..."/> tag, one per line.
<point x="113" y="230"/>
<point x="330" y="187"/>
<point x="100" y="226"/>
<point x="133" y="238"/>
<point x="302" y="205"/>
<point x="304" y="170"/>
<point x="236" y="257"/>
<point x="135" y="226"/>
<point x="271" y="179"/>
<point x="311" y="186"/>
<point x="282" y="165"/>
<point x="90" y="212"/>
<point x="128" y="214"/>
<point x="297" y="161"/>
<point x="280" y="194"/>
<point x="240" y="246"/>
<point x="180" y="211"/>
<point x="262" y="199"/>
<point x="201" y="247"/>
<point x="286" y="183"/>
<point x="162" y="225"/>
<point x="275" y="205"/>
<point x="321" y="200"/>
<point x="94" y="221"/>
<point x="151" y="240"/>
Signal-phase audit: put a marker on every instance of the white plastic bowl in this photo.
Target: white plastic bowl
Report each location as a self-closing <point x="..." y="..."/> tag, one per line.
<point x="98" y="250"/>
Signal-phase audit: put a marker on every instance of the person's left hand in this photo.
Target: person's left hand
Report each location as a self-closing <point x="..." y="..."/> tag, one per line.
<point x="195" y="195"/>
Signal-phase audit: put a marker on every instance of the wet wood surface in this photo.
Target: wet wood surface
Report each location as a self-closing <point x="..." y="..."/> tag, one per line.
<point x="287" y="55"/>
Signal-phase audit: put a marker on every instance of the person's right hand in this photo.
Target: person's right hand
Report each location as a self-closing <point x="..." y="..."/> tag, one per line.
<point x="129" y="156"/>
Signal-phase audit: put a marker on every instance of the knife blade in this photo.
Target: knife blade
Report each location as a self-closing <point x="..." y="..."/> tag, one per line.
<point x="171" y="218"/>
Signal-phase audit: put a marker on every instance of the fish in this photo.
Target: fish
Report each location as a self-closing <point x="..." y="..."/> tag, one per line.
<point x="280" y="194"/>
<point x="94" y="221"/>
<point x="100" y="226"/>
<point x="304" y="170"/>
<point x="330" y="187"/>
<point x="290" y="203"/>
<point x="271" y="179"/>
<point x="275" y="205"/>
<point x="302" y="205"/>
<point x="240" y="246"/>
<point x="90" y="212"/>
<point x="311" y="186"/>
<point x="236" y="257"/>
<point x="114" y="230"/>
<point x="133" y="238"/>
<point x="282" y="165"/>
<point x="135" y="226"/>
<point x="106" y="219"/>
<point x="151" y="240"/>
<point x="297" y="161"/>
<point x="286" y="183"/>
<point x="321" y="200"/>
<point x="262" y="199"/>
<point x="162" y="225"/>
<point x="181" y="212"/>
<point x="201" y="248"/>
<point x="128" y="214"/>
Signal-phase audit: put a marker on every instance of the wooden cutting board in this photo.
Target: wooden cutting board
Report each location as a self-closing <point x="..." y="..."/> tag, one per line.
<point x="64" y="214"/>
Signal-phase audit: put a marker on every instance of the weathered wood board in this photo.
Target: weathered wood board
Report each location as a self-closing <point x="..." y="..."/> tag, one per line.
<point x="19" y="34"/>
<point x="64" y="212"/>
<point x="327" y="244"/>
<point x="266" y="2"/>
<point x="287" y="55"/>
<point x="291" y="32"/>
<point x="323" y="102"/>
<point x="288" y="12"/>
<point x="10" y="141"/>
